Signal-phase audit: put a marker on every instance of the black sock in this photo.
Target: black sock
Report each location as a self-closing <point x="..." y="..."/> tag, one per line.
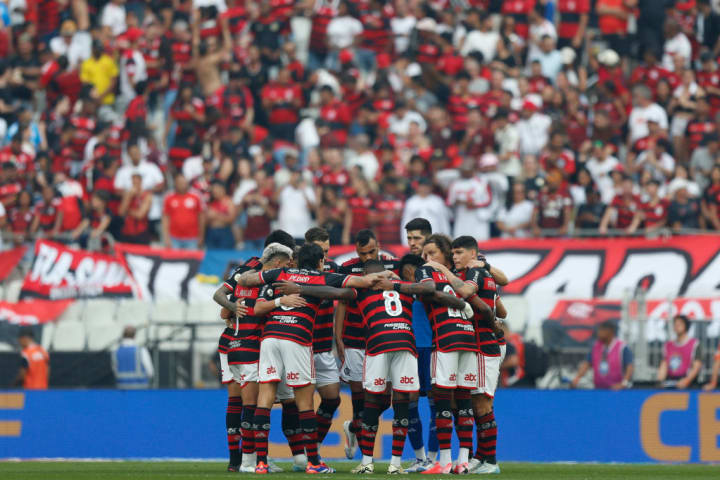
<point x="233" y="424"/>
<point x="261" y="425"/>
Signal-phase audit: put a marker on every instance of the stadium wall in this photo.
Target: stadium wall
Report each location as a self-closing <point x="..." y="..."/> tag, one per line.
<point x="534" y="426"/>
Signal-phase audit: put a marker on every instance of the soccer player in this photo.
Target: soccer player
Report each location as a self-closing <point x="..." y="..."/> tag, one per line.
<point x="351" y="332"/>
<point x="417" y="231"/>
<point x="286" y="345"/>
<point x="326" y="371"/>
<point x="471" y="281"/>
<point x="226" y="298"/>
<point x="455" y="365"/>
<point x="391" y="358"/>
<point x="240" y="351"/>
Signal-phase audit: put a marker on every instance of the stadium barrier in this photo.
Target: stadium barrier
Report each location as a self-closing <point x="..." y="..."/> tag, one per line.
<point x="601" y="426"/>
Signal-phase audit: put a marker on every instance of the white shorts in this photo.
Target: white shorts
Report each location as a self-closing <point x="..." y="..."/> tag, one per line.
<point x="326" y="369"/>
<point x="287" y="361"/>
<point x="489" y="373"/>
<point x="399" y="368"/>
<point x="352" y="366"/>
<point x="454" y="369"/>
<point x="243" y="373"/>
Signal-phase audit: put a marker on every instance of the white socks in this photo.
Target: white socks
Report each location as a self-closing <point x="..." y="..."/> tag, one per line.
<point x="432" y="456"/>
<point x="367" y="460"/>
<point x="463" y="456"/>
<point x="300" y="459"/>
<point x="420" y="454"/>
<point x="249" y="460"/>
<point x="396" y="461"/>
<point x="445" y="457"/>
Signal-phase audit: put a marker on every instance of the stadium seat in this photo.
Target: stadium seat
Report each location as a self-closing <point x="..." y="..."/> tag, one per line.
<point x="6" y="347"/>
<point x="69" y="336"/>
<point x="133" y="312"/>
<point x="48" y="330"/>
<point x="12" y="290"/>
<point x="73" y="312"/>
<point x="203" y="312"/>
<point x="168" y="311"/>
<point x="103" y="335"/>
<point x="516" y="306"/>
<point x="99" y="310"/>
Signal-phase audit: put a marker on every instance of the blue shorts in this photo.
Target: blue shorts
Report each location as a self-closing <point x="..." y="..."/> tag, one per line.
<point x="423" y="359"/>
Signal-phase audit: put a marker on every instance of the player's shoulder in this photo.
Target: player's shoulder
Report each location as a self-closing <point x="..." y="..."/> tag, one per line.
<point x="331" y="267"/>
<point x="352" y="262"/>
<point x="352" y="266"/>
<point x="253" y="263"/>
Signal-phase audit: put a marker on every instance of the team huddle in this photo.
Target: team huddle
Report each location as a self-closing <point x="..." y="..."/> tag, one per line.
<point x="425" y="324"/>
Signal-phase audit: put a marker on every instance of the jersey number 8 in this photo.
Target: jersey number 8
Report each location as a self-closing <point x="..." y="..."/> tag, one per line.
<point x="393" y="304"/>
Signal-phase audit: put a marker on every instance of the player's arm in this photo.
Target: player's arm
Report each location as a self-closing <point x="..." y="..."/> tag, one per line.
<point x="340" y="310"/>
<point x="262" y="306"/>
<point x="317" y="291"/>
<point x="449" y="300"/>
<point x="367" y="281"/>
<point x="250" y="279"/>
<point x="221" y="298"/>
<point x="464" y="289"/>
<point x="422" y="289"/>
<point x="482" y="309"/>
<point x="497" y="274"/>
<point x="500" y="310"/>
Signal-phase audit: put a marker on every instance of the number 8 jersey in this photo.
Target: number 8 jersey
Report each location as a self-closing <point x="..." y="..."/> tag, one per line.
<point x="388" y="316"/>
<point x="451" y="330"/>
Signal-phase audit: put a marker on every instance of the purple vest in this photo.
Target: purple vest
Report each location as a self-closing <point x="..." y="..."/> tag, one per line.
<point x="608" y="369"/>
<point x="680" y="357"/>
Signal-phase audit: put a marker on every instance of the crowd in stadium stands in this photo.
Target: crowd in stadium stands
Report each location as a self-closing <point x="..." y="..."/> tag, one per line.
<point x="207" y="122"/>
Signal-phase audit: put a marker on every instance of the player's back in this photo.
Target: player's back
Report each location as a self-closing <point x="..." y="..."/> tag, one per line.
<point x="388" y="316"/>
<point x="487" y="291"/>
<point x="451" y="330"/>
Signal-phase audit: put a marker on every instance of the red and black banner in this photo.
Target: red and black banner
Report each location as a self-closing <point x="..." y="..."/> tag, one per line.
<point x="32" y="312"/>
<point x="59" y="272"/>
<point x="159" y="273"/>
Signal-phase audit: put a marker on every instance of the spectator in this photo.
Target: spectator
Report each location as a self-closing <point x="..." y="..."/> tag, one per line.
<point x="653" y="212"/>
<point x="590" y="213"/>
<point x="621" y="211"/>
<point x="425" y="204"/>
<point x="220" y="218"/>
<point x="573" y="23"/>
<point x="553" y="207"/>
<point x="514" y="221"/>
<point x="684" y="210"/>
<point x="20" y="218"/>
<point x="34" y="371"/>
<point x="611" y="361"/>
<point x="183" y="220"/>
<point x="331" y="214"/>
<point x="644" y="111"/>
<point x="94" y="226"/>
<point x="296" y="202"/>
<point x="474" y="203"/>
<point x="682" y="357"/>
<point x="533" y="128"/>
<point x="101" y="71"/>
<point x="134" y="209"/>
<point x="711" y="200"/>
<point x="613" y="18"/>
<point x="131" y="362"/>
<point x="151" y="176"/>
<point x="75" y="45"/>
<point x="259" y="209"/>
<point x="341" y="36"/>
<point x="677" y="46"/>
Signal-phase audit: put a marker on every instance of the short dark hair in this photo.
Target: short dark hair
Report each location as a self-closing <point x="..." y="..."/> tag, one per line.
<point x="373" y="263"/>
<point x="26" y="332"/>
<point x="317" y="234"/>
<point x="684" y="319"/>
<point x="364" y="236"/>
<point x="419" y="224"/>
<point x="281" y="237"/>
<point x="465" y="241"/>
<point x="608" y="325"/>
<point x="309" y="256"/>
<point x="410" y="259"/>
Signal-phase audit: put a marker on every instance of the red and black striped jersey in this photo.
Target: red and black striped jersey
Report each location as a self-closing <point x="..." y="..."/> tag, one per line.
<point x="487" y="291"/>
<point x="244" y="347"/>
<point x="388" y="316"/>
<point x="451" y="330"/>
<point x="354" y="332"/>
<point x="252" y="263"/>
<point x="323" y="332"/>
<point x="295" y="324"/>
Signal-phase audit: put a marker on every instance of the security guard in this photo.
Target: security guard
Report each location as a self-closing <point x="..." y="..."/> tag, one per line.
<point x="131" y="362"/>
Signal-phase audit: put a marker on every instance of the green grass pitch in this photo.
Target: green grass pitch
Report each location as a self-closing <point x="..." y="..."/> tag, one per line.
<point x="50" y="470"/>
